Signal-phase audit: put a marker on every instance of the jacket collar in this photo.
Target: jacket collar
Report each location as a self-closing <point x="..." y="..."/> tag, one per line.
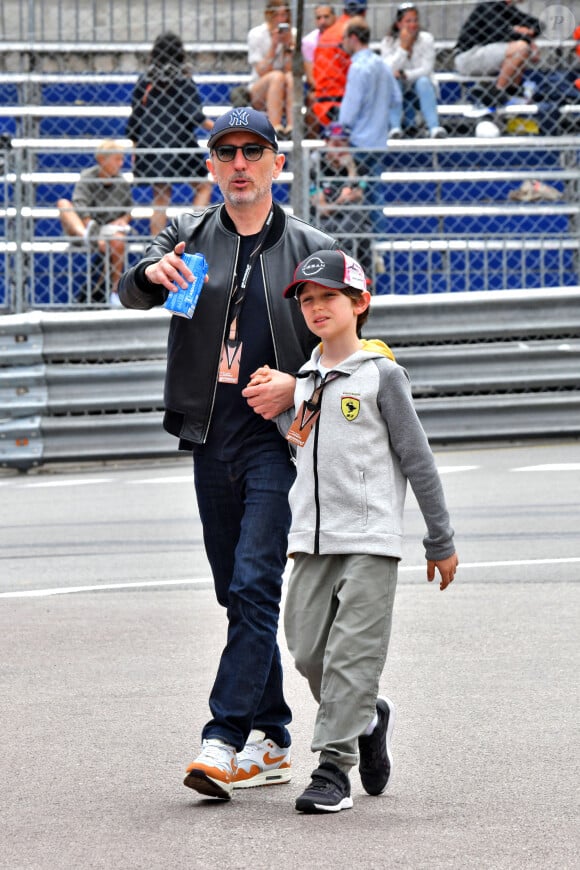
<point x="276" y="229"/>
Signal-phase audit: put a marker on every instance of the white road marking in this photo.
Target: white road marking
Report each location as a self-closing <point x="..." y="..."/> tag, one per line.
<point x="137" y="584"/>
<point x="207" y="581"/>
<point x="81" y="481"/>
<point x="451" y="469"/>
<point x="185" y="478"/>
<point x="553" y="466"/>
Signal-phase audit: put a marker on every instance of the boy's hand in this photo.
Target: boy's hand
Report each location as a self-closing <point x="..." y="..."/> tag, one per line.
<point x="269" y="392"/>
<point x="446" y="567"/>
<point x="261" y="376"/>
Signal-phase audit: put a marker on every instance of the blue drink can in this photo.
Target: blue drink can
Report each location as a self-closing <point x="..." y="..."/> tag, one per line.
<point x="183" y="302"/>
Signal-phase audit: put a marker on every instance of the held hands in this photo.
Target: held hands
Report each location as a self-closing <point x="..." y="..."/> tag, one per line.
<point x="170" y="268"/>
<point x="446" y="567"/>
<point x="269" y="392"/>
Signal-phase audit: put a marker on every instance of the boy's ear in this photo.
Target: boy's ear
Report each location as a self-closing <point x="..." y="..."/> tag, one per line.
<point x="362" y="303"/>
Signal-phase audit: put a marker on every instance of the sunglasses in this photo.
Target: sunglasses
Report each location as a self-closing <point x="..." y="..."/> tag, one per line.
<point x="251" y="151"/>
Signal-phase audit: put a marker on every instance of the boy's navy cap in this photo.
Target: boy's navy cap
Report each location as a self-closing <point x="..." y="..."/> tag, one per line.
<point x="329" y="269"/>
<point x="243" y="119"/>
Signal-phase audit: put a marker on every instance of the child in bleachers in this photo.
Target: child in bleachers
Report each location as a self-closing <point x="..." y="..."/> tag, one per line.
<point x="99" y="215"/>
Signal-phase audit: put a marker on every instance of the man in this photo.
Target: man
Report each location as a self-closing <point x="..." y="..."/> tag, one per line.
<point x="242" y="466"/>
<point x="100" y="212"/>
<point x="325" y="17"/>
<point x="364" y="111"/>
<point x="497" y="39"/>
<point x="331" y="63"/>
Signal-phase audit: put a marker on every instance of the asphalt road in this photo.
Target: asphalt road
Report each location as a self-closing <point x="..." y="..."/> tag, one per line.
<point x="109" y="638"/>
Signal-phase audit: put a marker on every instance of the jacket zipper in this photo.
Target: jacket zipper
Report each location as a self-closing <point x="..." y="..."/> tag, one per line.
<point x="269" y="312"/>
<point x="210" y="415"/>
<point x="316" y="493"/>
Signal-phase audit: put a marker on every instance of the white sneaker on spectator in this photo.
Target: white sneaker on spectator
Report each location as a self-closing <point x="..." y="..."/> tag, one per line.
<point x="438" y="133"/>
<point x="395" y="133"/>
<point x="91" y="233"/>
<point x="114" y="301"/>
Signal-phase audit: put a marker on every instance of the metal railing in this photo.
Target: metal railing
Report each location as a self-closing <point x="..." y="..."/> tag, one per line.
<point x="445" y="217"/>
<point x="95" y="24"/>
<point x="497" y="365"/>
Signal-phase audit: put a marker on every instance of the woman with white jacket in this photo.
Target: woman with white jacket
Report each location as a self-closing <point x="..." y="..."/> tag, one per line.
<point x="410" y="53"/>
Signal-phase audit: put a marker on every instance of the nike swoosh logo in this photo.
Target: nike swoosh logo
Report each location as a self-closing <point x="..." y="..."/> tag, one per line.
<point x="270" y="759"/>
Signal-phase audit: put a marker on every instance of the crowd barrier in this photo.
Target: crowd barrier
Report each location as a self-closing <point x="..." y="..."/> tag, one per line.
<point x="80" y="387"/>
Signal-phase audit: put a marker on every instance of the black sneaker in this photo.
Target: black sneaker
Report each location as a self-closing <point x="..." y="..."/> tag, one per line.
<point x="376" y="762"/>
<point x="328" y="792"/>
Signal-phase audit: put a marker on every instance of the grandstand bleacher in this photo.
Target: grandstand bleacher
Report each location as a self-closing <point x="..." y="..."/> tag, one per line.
<point x="453" y="226"/>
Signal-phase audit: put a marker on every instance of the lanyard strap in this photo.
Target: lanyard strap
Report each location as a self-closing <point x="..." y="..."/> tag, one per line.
<point x="313" y="403"/>
<point x="239" y="291"/>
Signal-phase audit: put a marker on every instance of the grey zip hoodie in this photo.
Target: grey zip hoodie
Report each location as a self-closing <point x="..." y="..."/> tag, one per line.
<point x="353" y="469"/>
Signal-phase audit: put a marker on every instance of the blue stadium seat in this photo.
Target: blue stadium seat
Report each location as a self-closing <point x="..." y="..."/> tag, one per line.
<point x="522" y="225"/>
<point x="475" y="191"/>
<point x="8" y="125"/>
<point x="47" y="194"/>
<point x="417" y="193"/>
<point x="55" y="126"/>
<point x="9" y="95"/>
<point x="87" y="93"/>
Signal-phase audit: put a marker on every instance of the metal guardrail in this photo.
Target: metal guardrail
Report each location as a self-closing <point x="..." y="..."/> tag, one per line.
<point x="494" y="365"/>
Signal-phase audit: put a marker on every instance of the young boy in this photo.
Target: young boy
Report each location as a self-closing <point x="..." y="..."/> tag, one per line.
<point x="358" y="441"/>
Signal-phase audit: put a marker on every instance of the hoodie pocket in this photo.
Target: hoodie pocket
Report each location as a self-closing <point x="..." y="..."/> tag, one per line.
<point x="364" y="508"/>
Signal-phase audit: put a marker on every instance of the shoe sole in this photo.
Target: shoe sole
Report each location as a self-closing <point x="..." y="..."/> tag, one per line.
<point x="266" y="777"/>
<point x="311" y="808"/>
<point x="204" y="784"/>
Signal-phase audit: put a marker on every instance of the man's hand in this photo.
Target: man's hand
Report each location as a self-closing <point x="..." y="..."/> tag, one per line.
<point x="446" y="567"/>
<point x="170" y="268"/>
<point x="269" y="392"/>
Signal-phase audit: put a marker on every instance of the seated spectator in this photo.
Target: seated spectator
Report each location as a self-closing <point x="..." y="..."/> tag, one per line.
<point x="331" y="63"/>
<point x="325" y="17"/>
<point x="336" y="191"/>
<point x="99" y="216"/>
<point x="165" y="112"/>
<point x="410" y="53"/>
<point x="497" y="39"/>
<point x="371" y="89"/>
<point x="270" y="48"/>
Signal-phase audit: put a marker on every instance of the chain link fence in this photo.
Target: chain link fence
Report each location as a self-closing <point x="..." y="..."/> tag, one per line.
<point x="474" y="218"/>
<point x="424" y="215"/>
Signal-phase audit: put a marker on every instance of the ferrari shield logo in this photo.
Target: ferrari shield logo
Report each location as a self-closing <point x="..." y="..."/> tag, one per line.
<point x="350" y="406"/>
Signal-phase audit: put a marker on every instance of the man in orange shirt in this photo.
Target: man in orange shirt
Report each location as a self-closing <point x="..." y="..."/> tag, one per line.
<point x="331" y="65"/>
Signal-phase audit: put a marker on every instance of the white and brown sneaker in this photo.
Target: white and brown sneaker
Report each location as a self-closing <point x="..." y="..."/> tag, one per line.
<point x="262" y="762"/>
<point x="213" y="771"/>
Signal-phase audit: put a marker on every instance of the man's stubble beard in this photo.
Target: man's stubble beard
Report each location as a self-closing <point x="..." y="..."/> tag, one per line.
<point x="250" y="197"/>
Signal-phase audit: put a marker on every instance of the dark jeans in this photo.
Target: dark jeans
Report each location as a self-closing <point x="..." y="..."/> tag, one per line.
<point x="244" y="510"/>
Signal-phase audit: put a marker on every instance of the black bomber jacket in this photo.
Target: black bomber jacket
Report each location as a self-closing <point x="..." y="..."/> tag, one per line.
<point x="194" y="346"/>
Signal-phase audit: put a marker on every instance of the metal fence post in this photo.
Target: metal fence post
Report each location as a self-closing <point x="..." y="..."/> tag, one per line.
<point x="18" y="285"/>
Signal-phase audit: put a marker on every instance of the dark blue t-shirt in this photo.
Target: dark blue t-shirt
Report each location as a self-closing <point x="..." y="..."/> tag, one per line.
<point x="234" y="425"/>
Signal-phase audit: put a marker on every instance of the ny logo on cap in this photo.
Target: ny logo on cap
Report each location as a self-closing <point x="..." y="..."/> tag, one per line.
<point x="239" y="118"/>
